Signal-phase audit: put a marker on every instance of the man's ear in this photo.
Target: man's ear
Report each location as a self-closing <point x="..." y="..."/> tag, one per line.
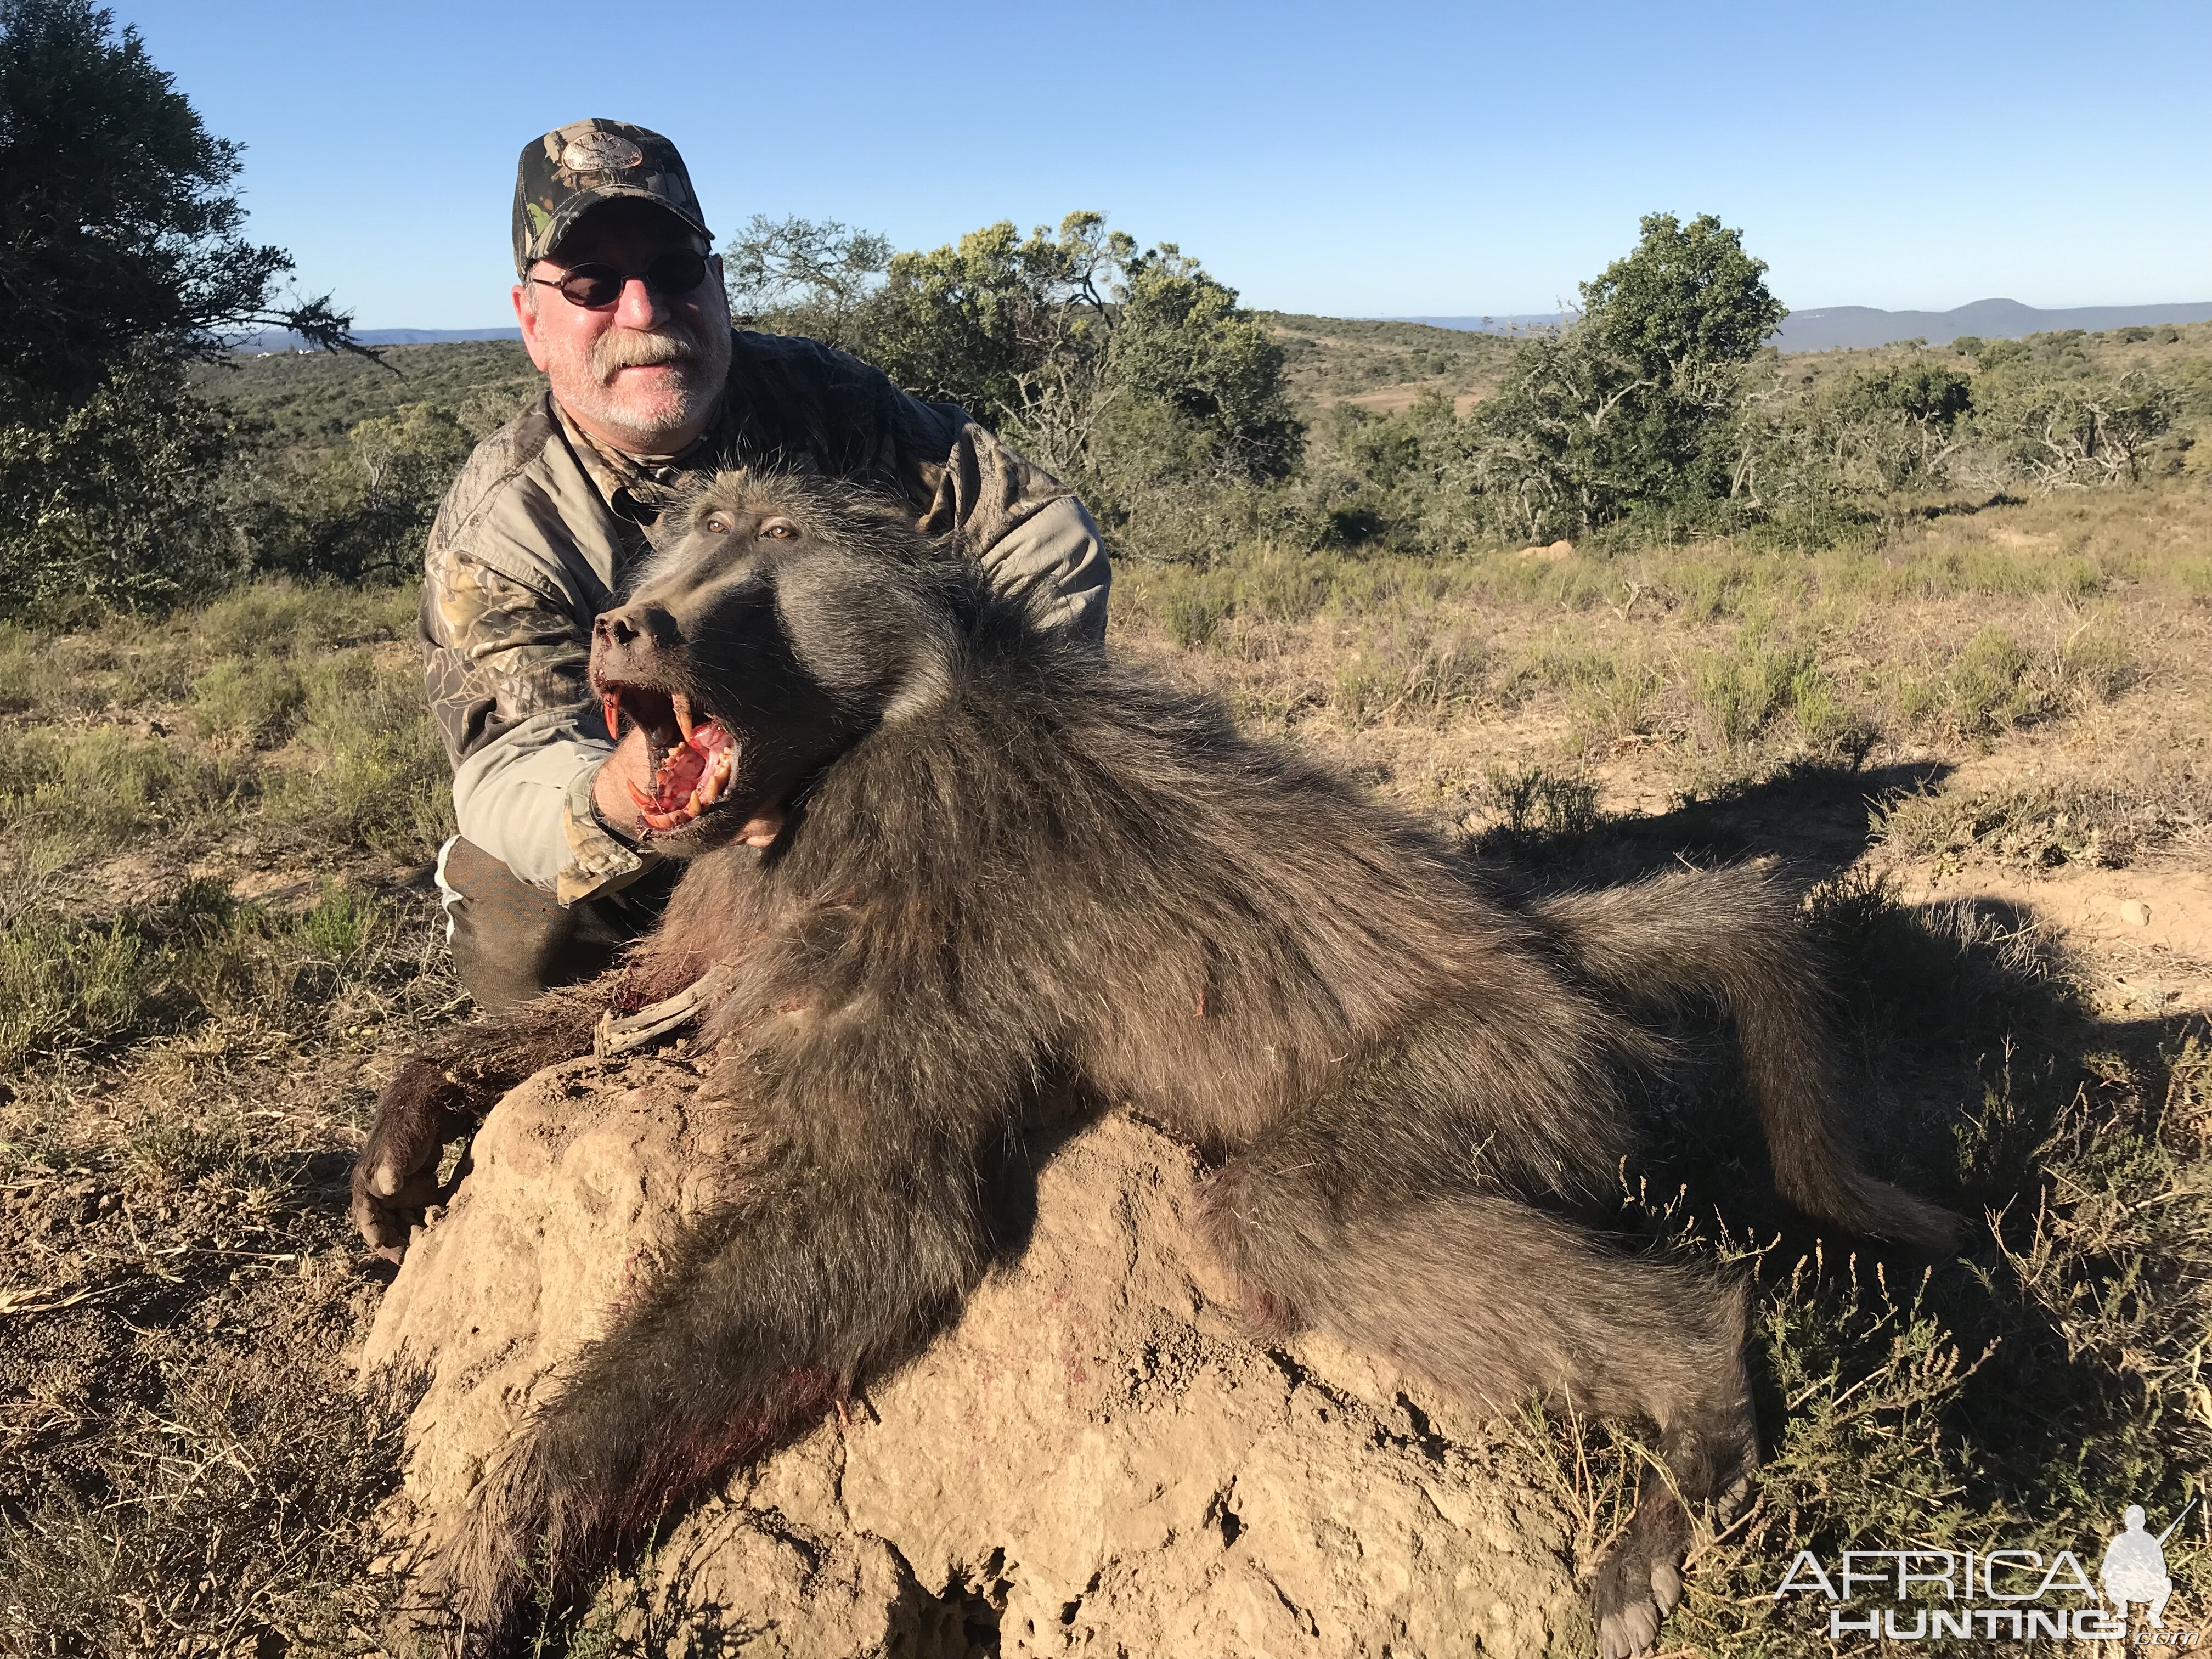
<point x="527" y="317"/>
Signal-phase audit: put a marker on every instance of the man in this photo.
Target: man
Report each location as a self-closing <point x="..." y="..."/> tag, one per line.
<point x="621" y="308"/>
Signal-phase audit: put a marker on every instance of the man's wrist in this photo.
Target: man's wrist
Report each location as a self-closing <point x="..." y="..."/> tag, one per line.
<point x="602" y="858"/>
<point x="613" y="810"/>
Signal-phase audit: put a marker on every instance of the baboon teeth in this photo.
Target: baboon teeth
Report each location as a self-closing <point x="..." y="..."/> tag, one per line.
<point x="611" y="702"/>
<point x="681" y="705"/>
<point x="692" y="776"/>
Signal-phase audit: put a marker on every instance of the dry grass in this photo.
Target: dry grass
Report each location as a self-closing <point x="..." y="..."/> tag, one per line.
<point x="222" y="920"/>
<point x="184" y="1467"/>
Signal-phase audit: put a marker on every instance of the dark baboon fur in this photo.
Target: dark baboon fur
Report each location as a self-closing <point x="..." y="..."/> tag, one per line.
<point x="1000" y="857"/>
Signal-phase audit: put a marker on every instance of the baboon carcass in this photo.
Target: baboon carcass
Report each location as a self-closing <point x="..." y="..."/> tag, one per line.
<point x="940" y="857"/>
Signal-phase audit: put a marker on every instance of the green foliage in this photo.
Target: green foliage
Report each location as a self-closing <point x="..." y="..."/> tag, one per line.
<point x="799" y="277"/>
<point x="1741" y="690"/>
<point x="121" y="234"/>
<point x="1683" y="308"/>
<point x="101" y="786"/>
<point x="373" y="772"/>
<point x="1628" y="406"/>
<point x="2057" y="431"/>
<point x="1990" y="686"/>
<point x="1133" y="375"/>
<point x="1531" y="801"/>
<point x="117" y="502"/>
<point x="1814" y="448"/>
<point x="247" y="700"/>
<point x="65" y="984"/>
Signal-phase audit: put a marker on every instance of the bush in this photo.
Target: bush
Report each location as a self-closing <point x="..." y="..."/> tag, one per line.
<point x="117" y="503"/>
<point x="64" y="985"/>
<point x="374" y="774"/>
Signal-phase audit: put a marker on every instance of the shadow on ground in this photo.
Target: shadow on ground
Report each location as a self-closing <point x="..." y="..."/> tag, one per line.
<point x="2024" y="1391"/>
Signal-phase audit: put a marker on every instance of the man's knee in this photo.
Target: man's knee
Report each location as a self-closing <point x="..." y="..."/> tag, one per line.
<point x="512" y="941"/>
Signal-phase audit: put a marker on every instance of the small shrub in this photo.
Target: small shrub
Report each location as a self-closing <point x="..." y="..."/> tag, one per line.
<point x="343" y="924"/>
<point x="1414" y="673"/>
<point x="2095" y="662"/>
<point x="376" y="776"/>
<point x="1620" y="699"/>
<point x="94" y="788"/>
<point x="283" y="616"/>
<point x="1532" y="801"/>
<point x="1988" y="683"/>
<point x="1741" y="690"/>
<point x="246" y="702"/>
<point x="2039" y="828"/>
<point x="1193" y="614"/>
<point x="66" y="986"/>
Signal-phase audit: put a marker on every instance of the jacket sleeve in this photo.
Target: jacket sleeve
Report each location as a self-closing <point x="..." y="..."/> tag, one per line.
<point x="506" y="672"/>
<point x="508" y="594"/>
<point x="1027" y="531"/>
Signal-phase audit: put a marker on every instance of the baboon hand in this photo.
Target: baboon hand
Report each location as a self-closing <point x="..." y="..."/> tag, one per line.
<point x="396" y="1177"/>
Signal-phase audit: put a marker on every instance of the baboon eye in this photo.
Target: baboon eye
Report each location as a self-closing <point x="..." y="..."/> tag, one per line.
<point x="717" y="525"/>
<point x="781" y="530"/>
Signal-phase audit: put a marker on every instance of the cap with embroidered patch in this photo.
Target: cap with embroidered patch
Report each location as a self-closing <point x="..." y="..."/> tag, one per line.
<point x="572" y="169"/>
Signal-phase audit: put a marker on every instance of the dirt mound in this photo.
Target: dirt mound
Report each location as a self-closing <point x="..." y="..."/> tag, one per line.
<point x="1092" y="1461"/>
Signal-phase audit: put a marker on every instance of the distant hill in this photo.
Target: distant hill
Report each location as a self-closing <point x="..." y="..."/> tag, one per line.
<point x="1831" y="327"/>
<point x="1992" y="319"/>
<point x="281" y="339"/>
<point x="1526" y="323"/>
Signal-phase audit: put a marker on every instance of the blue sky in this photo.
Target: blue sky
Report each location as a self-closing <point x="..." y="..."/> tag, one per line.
<point x="1355" y="161"/>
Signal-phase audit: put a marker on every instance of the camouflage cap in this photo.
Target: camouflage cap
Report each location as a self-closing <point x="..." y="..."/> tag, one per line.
<point x="572" y="169"/>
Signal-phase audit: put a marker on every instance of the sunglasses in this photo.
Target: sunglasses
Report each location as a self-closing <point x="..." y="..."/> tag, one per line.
<point x="597" y="287"/>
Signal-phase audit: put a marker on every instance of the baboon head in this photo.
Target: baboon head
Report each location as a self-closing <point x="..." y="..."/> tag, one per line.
<point x="779" y="619"/>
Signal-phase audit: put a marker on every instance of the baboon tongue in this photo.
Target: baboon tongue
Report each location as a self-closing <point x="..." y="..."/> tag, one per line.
<point x="691" y="779"/>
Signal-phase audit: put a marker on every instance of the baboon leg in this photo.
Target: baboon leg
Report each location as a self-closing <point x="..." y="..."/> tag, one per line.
<point x="823" y="1276"/>
<point x="1734" y="933"/>
<point x="1494" y="1300"/>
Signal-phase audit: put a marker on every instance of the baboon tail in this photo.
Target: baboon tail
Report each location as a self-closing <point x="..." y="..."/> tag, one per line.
<point x="1734" y="933"/>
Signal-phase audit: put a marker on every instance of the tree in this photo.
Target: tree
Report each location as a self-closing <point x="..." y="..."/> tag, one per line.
<point x="1632" y="405"/>
<point x="117" y="502"/>
<point x="801" y="278"/>
<point x="1120" y="370"/>
<point x="119" y="236"/>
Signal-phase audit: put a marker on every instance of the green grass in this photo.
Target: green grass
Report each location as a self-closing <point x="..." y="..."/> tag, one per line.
<point x="2020" y="1396"/>
<point x="184" y="1073"/>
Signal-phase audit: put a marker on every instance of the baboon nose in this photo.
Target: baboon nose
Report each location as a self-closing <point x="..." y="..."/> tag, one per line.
<point x="647" y="626"/>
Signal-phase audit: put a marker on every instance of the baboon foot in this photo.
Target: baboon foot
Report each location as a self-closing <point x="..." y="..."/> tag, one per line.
<point x="1639" y="1581"/>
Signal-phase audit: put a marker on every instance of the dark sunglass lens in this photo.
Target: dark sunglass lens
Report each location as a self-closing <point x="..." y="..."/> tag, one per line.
<point x="592" y="285"/>
<point x="677" y="273"/>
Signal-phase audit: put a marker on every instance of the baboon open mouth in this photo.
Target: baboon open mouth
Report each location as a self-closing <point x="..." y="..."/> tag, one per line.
<point x="693" y="759"/>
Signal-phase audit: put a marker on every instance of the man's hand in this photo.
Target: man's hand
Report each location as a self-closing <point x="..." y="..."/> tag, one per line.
<point x="396" y="1177"/>
<point x="630" y="763"/>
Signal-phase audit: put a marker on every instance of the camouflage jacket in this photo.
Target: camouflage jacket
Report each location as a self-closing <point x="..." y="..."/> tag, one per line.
<point x="537" y="533"/>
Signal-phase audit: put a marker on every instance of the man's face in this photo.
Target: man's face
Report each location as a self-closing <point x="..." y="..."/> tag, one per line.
<point x="644" y="374"/>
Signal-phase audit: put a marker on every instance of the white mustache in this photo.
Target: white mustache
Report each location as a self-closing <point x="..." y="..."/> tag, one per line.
<point x="634" y="348"/>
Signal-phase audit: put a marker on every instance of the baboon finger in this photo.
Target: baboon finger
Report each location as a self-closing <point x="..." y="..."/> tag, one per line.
<point x="387" y="1220"/>
<point x="385" y="1229"/>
